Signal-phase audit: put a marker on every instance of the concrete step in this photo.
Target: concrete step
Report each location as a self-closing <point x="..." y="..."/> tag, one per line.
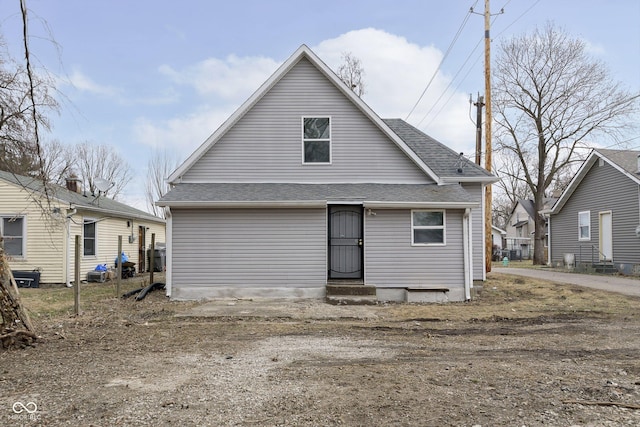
<point x="605" y="268"/>
<point x="350" y="290"/>
<point x="351" y="299"/>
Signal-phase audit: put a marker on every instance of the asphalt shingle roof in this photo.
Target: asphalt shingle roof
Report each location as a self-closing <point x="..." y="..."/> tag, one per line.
<point x="82" y="201"/>
<point x="440" y="158"/>
<point x="626" y="159"/>
<point x="284" y="192"/>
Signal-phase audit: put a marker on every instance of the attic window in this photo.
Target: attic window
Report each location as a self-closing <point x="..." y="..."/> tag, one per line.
<point x="316" y="140"/>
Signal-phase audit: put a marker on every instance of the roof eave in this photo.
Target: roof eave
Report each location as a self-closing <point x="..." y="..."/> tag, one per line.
<point x="244" y="204"/>
<point x="119" y="214"/>
<point x="480" y="179"/>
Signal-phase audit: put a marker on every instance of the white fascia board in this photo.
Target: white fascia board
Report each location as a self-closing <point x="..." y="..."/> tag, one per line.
<point x="480" y="179"/>
<point x="422" y="205"/>
<point x="118" y="214"/>
<point x="573" y="184"/>
<point x="246" y="204"/>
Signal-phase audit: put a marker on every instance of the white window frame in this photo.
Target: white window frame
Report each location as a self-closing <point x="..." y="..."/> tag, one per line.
<point x="23" y="256"/>
<point x="587" y="225"/>
<point x="442" y="227"/>
<point x="95" y="237"/>
<point x="328" y="140"/>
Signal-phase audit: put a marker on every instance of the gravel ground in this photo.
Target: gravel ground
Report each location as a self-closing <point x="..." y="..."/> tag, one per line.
<point x="492" y="362"/>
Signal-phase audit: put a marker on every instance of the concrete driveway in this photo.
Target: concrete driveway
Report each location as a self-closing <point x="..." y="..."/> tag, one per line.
<point x="623" y="285"/>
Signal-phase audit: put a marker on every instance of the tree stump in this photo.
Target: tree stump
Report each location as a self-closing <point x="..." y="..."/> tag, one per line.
<point x="16" y="325"/>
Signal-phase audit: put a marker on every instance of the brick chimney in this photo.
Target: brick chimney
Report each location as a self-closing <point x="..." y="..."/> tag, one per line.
<point x="74" y="183"/>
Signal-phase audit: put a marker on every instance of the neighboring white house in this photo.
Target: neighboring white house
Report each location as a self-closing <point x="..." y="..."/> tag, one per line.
<point x="305" y="186"/>
<point x="497" y="237"/>
<point x="520" y="228"/>
<point x="39" y="231"/>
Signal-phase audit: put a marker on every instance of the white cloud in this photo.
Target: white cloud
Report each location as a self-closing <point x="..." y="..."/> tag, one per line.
<point x="181" y="134"/>
<point x="231" y="78"/>
<point x="84" y="83"/>
<point x="596" y="49"/>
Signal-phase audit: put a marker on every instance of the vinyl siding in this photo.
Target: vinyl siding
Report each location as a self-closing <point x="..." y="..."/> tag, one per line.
<point x="246" y="248"/>
<point x="603" y="188"/>
<point x="44" y="234"/>
<point x="391" y="261"/>
<point x="477" y="230"/>
<point x="266" y="143"/>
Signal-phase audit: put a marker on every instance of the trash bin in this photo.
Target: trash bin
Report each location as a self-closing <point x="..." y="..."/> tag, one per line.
<point x="27" y="279"/>
<point x="159" y="258"/>
<point x="570" y="260"/>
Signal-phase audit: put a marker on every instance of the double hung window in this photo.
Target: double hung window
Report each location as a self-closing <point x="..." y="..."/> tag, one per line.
<point x="316" y="140"/>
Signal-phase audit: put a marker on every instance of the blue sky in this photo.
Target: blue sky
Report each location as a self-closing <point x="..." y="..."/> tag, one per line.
<point x="141" y="75"/>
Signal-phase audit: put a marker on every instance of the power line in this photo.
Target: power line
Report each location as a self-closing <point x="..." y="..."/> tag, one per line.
<point x="453" y="42"/>
<point x="471" y="68"/>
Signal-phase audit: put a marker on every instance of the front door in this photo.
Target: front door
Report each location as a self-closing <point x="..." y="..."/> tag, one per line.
<point x="606" y="236"/>
<point x="345" y="242"/>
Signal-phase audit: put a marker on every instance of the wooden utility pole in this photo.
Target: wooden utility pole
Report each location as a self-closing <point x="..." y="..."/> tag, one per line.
<point x="487" y="132"/>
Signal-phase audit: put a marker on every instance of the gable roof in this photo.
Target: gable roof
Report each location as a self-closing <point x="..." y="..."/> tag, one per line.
<point x="410" y="140"/>
<point x="86" y="202"/>
<point x="625" y="161"/>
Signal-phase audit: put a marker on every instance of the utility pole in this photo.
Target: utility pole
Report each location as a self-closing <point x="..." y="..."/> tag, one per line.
<point x="479" y="104"/>
<point x="487" y="131"/>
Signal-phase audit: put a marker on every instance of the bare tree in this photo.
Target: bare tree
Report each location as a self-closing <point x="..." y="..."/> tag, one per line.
<point x="58" y="161"/>
<point x="159" y="166"/>
<point x="550" y="96"/>
<point x="101" y="161"/>
<point x="19" y="97"/>
<point x="352" y="73"/>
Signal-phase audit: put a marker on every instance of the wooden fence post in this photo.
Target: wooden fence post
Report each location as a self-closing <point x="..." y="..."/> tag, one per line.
<point x="76" y="288"/>
<point x="119" y="267"/>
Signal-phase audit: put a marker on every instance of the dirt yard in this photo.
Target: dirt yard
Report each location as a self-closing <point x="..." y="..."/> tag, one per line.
<point x="525" y="353"/>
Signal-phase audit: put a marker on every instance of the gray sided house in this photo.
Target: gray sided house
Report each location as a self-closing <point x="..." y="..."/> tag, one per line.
<point x="596" y="221"/>
<point x="304" y="185"/>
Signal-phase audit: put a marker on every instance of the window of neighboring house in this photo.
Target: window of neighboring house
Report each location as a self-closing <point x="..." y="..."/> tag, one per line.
<point x="13" y="234"/>
<point x="316" y="139"/>
<point x="584" y="225"/>
<point x="89" y="237"/>
<point x="427" y="227"/>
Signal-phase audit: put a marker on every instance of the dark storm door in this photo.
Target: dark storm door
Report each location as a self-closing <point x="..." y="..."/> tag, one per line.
<point x="345" y="242"/>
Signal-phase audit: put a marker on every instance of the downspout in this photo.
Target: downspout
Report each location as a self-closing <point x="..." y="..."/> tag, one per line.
<point x="466" y="257"/>
<point x="549" y="240"/>
<point x="169" y="250"/>
<point x="71" y="212"/>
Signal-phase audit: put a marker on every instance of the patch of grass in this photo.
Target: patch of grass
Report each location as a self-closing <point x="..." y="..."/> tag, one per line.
<point x="506" y="296"/>
<point x="44" y="303"/>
